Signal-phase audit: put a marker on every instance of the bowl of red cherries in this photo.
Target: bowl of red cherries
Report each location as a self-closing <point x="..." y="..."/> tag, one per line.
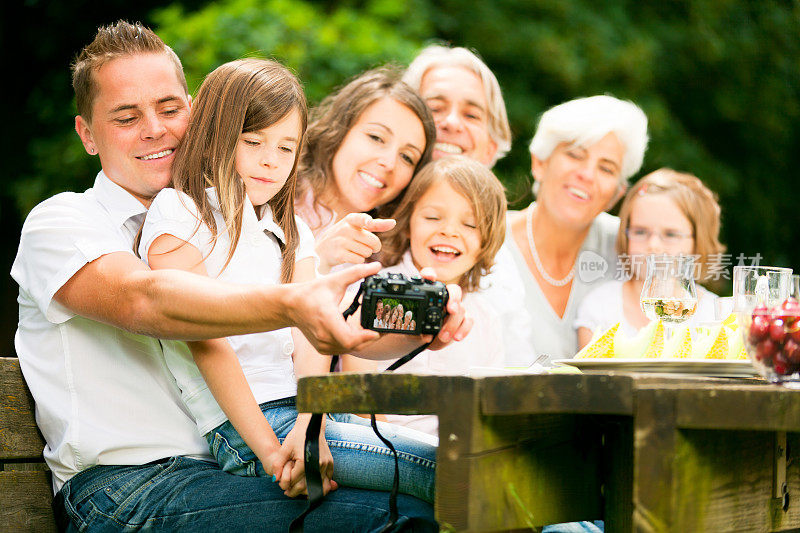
<point x="772" y="340"/>
<point x="769" y="319"/>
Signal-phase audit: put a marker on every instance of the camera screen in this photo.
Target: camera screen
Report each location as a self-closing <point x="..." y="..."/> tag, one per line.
<point x="396" y="314"/>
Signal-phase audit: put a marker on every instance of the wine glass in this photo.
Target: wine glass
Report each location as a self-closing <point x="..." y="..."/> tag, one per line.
<point x="669" y="293"/>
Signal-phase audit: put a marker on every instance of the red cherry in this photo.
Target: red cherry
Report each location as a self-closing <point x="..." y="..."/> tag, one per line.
<point x="791" y="350"/>
<point x="765" y="350"/>
<point x="759" y="328"/>
<point x="776" y="331"/>
<point x="794" y="331"/>
<point x="790" y="305"/>
<point x="782" y="366"/>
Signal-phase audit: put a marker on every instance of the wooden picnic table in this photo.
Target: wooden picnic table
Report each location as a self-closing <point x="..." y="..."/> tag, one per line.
<point x="644" y="452"/>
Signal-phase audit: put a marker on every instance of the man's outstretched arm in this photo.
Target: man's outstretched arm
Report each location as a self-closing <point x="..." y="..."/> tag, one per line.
<point x="119" y="289"/>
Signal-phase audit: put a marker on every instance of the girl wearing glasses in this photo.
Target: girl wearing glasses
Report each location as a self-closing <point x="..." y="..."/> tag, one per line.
<point x="666" y="212"/>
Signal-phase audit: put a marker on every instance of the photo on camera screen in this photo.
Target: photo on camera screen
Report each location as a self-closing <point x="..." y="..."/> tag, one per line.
<point x="396" y="314"/>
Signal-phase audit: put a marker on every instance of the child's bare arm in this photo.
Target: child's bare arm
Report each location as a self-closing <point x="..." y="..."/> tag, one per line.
<point x="223" y="374"/>
<point x="220" y="366"/>
<point x="307" y="361"/>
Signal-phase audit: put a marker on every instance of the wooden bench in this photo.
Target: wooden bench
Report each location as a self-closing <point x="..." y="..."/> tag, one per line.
<point x="25" y="490"/>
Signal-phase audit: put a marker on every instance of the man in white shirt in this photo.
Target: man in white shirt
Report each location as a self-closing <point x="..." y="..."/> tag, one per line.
<point x="122" y="449"/>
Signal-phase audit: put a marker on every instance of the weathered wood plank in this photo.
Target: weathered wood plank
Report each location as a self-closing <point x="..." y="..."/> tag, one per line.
<point x="654" y="442"/>
<point x="765" y="407"/>
<point x="25" y="499"/>
<point x="551" y="476"/>
<point x="458" y="420"/>
<point x="512" y="471"/>
<point x="617" y="473"/>
<point x="372" y="393"/>
<point x="705" y="479"/>
<point x="724" y="482"/>
<point x="24" y="467"/>
<point x="19" y="436"/>
<point x="557" y="393"/>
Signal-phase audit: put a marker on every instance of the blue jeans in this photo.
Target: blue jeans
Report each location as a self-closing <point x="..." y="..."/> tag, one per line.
<point x="360" y="459"/>
<point x="575" y="527"/>
<point x="183" y="494"/>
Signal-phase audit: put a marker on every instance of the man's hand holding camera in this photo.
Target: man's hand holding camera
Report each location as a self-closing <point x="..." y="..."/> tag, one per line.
<point x="431" y="314"/>
<point x="315" y="312"/>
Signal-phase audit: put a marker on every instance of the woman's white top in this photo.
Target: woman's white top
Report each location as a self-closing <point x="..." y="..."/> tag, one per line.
<point x="482" y="347"/>
<point x="602" y="308"/>
<point x="266" y="358"/>
<point x="523" y="307"/>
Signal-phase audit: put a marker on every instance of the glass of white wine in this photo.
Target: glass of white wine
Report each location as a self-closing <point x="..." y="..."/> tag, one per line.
<point x="669" y="293"/>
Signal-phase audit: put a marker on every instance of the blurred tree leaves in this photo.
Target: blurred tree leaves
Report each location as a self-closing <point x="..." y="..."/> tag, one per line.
<point x="718" y="79"/>
<point x="324" y="45"/>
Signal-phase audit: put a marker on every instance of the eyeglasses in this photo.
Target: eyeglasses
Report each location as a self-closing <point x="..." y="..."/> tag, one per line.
<point x="667" y="236"/>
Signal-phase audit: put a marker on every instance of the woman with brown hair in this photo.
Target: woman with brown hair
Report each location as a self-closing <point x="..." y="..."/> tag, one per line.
<point x="364" y="144"/>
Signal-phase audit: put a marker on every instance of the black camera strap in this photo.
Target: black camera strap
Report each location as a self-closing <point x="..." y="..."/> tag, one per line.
<point x="311" y="456"/>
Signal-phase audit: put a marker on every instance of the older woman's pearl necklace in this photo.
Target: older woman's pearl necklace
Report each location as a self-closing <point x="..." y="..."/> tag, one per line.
<point x="538" y="262"/>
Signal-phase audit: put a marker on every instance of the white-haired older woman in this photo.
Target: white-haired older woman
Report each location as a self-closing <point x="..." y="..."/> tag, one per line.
<point x="466" y="102"/>
<point x="560" y="246"/>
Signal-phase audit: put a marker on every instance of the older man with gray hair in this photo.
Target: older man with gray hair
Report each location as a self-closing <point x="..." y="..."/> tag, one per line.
<point x="466" y="101"/>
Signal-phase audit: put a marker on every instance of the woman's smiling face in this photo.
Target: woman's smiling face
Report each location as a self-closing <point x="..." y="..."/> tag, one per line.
<point x="578" y="183"/>
<point x="377" y="157"/>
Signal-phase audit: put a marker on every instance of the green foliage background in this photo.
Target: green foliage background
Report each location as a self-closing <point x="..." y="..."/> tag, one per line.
<point x="718" y="79"/>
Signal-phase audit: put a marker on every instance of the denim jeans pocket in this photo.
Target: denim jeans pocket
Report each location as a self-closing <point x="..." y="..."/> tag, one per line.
<point x="104" y="492"/>
<point x="139" y="478"/>
<point x="230" y="457"/>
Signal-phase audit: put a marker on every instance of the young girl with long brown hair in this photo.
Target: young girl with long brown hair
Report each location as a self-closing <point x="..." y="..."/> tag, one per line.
<point x="231" y="216"/>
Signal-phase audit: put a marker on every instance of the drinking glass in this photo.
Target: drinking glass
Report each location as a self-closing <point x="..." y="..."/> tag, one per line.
<point x="723" y="307"/>
<point x="769" y="320"/>
<point x="760" y="285"/>
<point x="669" y="293"/>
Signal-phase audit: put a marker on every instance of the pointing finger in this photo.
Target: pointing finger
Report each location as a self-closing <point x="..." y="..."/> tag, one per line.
<point x="380" y="224"/>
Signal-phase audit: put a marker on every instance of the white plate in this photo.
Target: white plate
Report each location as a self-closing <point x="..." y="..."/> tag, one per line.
<point x="702" y="367"/>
